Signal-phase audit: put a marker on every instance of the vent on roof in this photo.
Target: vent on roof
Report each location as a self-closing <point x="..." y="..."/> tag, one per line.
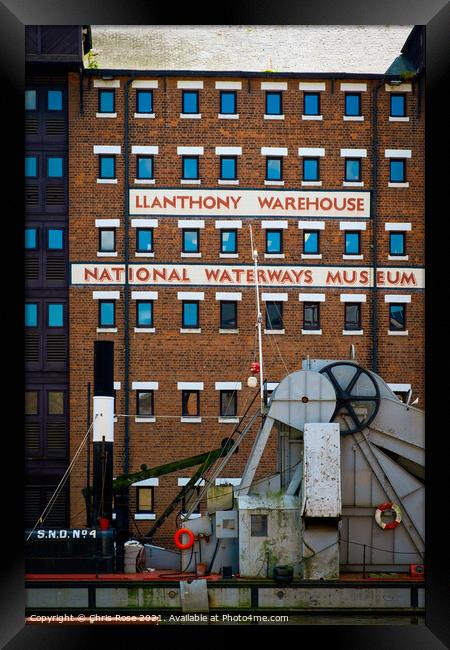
<point x="32" y="348"/>
<point x="31" y="195"/>
<point x="32" y="438"/>
<point x="31" y="268"/>
<point x="56" y="438"/>
<point x="56" y="348"/>
<point x="56" y="268"/>
<point x="55" y="195"/>
<point x="55" y="126"/>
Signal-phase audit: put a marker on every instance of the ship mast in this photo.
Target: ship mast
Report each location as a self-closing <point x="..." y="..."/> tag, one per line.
<point x="258" y="320"/>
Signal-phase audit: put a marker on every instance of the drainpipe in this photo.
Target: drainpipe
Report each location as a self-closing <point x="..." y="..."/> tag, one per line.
<point x="81" y="91"/>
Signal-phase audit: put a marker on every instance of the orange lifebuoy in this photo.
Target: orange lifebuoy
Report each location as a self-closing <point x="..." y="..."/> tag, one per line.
<point x="184" y="531"/>
<point x="388" y="506"/>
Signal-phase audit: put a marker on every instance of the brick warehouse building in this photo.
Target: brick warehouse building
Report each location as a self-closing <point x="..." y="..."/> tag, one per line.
<point x="166" y="171"/>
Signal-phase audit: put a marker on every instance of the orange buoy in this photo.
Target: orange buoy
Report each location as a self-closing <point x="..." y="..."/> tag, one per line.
<point x="177" y="538"/>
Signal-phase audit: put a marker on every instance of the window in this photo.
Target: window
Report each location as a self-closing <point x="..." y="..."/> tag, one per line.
<point x="55" y="315"/>
<point x="190" y="403"/>
<point x="31" y="166"/>
<point x="311" y="316"/>
<point x="273" y="103"/>
<point x="106" y="101"/>
<point x="31" y="314"/>
<point x="144" y="167"/>
<point x="190" y="316"/>
<point x="274" y="169"/>
<point x="228" y="315"/>
<point x="352" y="316"/>
<point x="144" y="314"/>
<point x="55" y="402"/>
<point x="228" y="102"/>
<point x="144" y="101"/>
<point x="397" y="170"/>
<point x="310" y="169"/>
<point x="258" y="525"/>
<point x="107" y="240"/>
<point x="31" y="402"/>
<point x="144" y="403"/>
<point x="144" y="240"/>
<point x="352" y="244"/>
<point x="31" y="239"/>
<point x="352" y="104"/>
<point x="397" y="243"/>
<point x="144" y="500"/>
<point x="353" y="169"/>
<point x="30" y="100"/>
<point x="397" y="105"/>
<point x="191" y="240"/>
<point x="54" y="100"/>
<point x="106" y="313"/>
<point x="190" y="167"/>
<point x="107" y="166"/>
<point x="228" y="167"/>
<point x="274" y="315"/>
<point x="190" y="101"/>
<point x="55" y="239"/>
<point x="311" y="242"/>
<point x="228" y="403"/>
<point x="228" y="241"/>
<point x="274" y="241"/>
<point x="397" y="317"/>
<point x="54" y="167"/>
<point x="311" y="104"/>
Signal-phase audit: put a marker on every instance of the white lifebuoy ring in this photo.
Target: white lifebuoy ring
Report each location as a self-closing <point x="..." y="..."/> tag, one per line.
<point x="388" y="506"/>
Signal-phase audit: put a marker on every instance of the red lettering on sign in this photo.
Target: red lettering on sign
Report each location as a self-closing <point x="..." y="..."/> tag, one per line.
<point x="212" y="273"/>
<point x="333" y="278"/>
<point x="142" y="274"/>
<point x="105" y="276"/>
<point x="90" y="274"/>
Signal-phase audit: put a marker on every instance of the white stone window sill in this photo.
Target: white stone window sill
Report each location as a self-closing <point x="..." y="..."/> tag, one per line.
<point x="112" y="254"/>
<point x="100" y="330"/>
<point x="311" y="257"/>
<point x="144" y="516"/>
<point x="353" y="257"/>
<point x="398" y="257"/>
<point x="190" y="331"/>
<point x="398" y="184"/>
<point x="145" y="330"/>
<point x="398" y="119"/>
<point x="353" y="118"/>
<point x="228" y="116"/>
<point x="400" y="333"/>
<point x="107" y="181"/>
<point x="353" y="332"/>
<point x="311" y="183"/>
<point x="144" y="181"/>
<point x="191" y="254"/>
<point x="221" y="331"/>
<point x="230" y="420"/>
<point x="312" y="117"/>
<point x="230" y="256"/>
<point x="190" y="116"/>
<point x="280" y="183"/>
<point x="190" y="181"/>
<point x="144" y="254"/>
<point x="144" y="115"/>
<point x="274" y="256"/>
<point x="273" y="331"/>
<point x="194" y="515"/>
<point x="318" y="332"/>
<point x="224" y="181"/>
<point x="353" y="184"/>
<point x="273" y="117"/>
<point x="106" y="115"/>
<point x="144" y="419"/>
<point x="194" y="419"/>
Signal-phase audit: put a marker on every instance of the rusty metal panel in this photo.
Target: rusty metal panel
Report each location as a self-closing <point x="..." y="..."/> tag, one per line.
<point x="322" y="477"/>
<point x="194" y="595"/>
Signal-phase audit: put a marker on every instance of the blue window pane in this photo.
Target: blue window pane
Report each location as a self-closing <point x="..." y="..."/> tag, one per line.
<point x="107" y="167"/>
<point x="30" y="166"/>
<point x="227" y="102"/>
<point x="311" y="104"/>
<point x="273" y="103"/>
<point x="30" y="100"/>
<point x="228" y="168"/>
<point x="352" y="243"/>
<point x="55" y="315"/>
<point x="144" y="240"/>
<point x="397" y="243"/>
<point x="55" y="167"/>
<point x="352" y="104"/>
<point x="273" y="169"/>
<point x="106" y="98"/>
<point x="352" y="170"/>
<point x="397" y="168"/>
<point x="145" y="167"/>
<point x="398" y="105"/>
<point x="311" y="242"/>
<point x="106" y="314"/>
<point x="190" y="102"/>
<point x="107" y="240"/>
<point x="31" y="315"/>
<point x="145" y="101"/>
<point x="310" y="169"/>
<point x="190" y="168"/>
<point x="228" y="241"/>
<point x="190" y="241"/>
<point x="30" y="238"/>
<point x="396" y="317"/>
<point x="273" y="241"/>
<point x="145" y="314"/>
<point x="190" y="314"/>
<point x="55" y="239"/>
<point x="54" y="100"/>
